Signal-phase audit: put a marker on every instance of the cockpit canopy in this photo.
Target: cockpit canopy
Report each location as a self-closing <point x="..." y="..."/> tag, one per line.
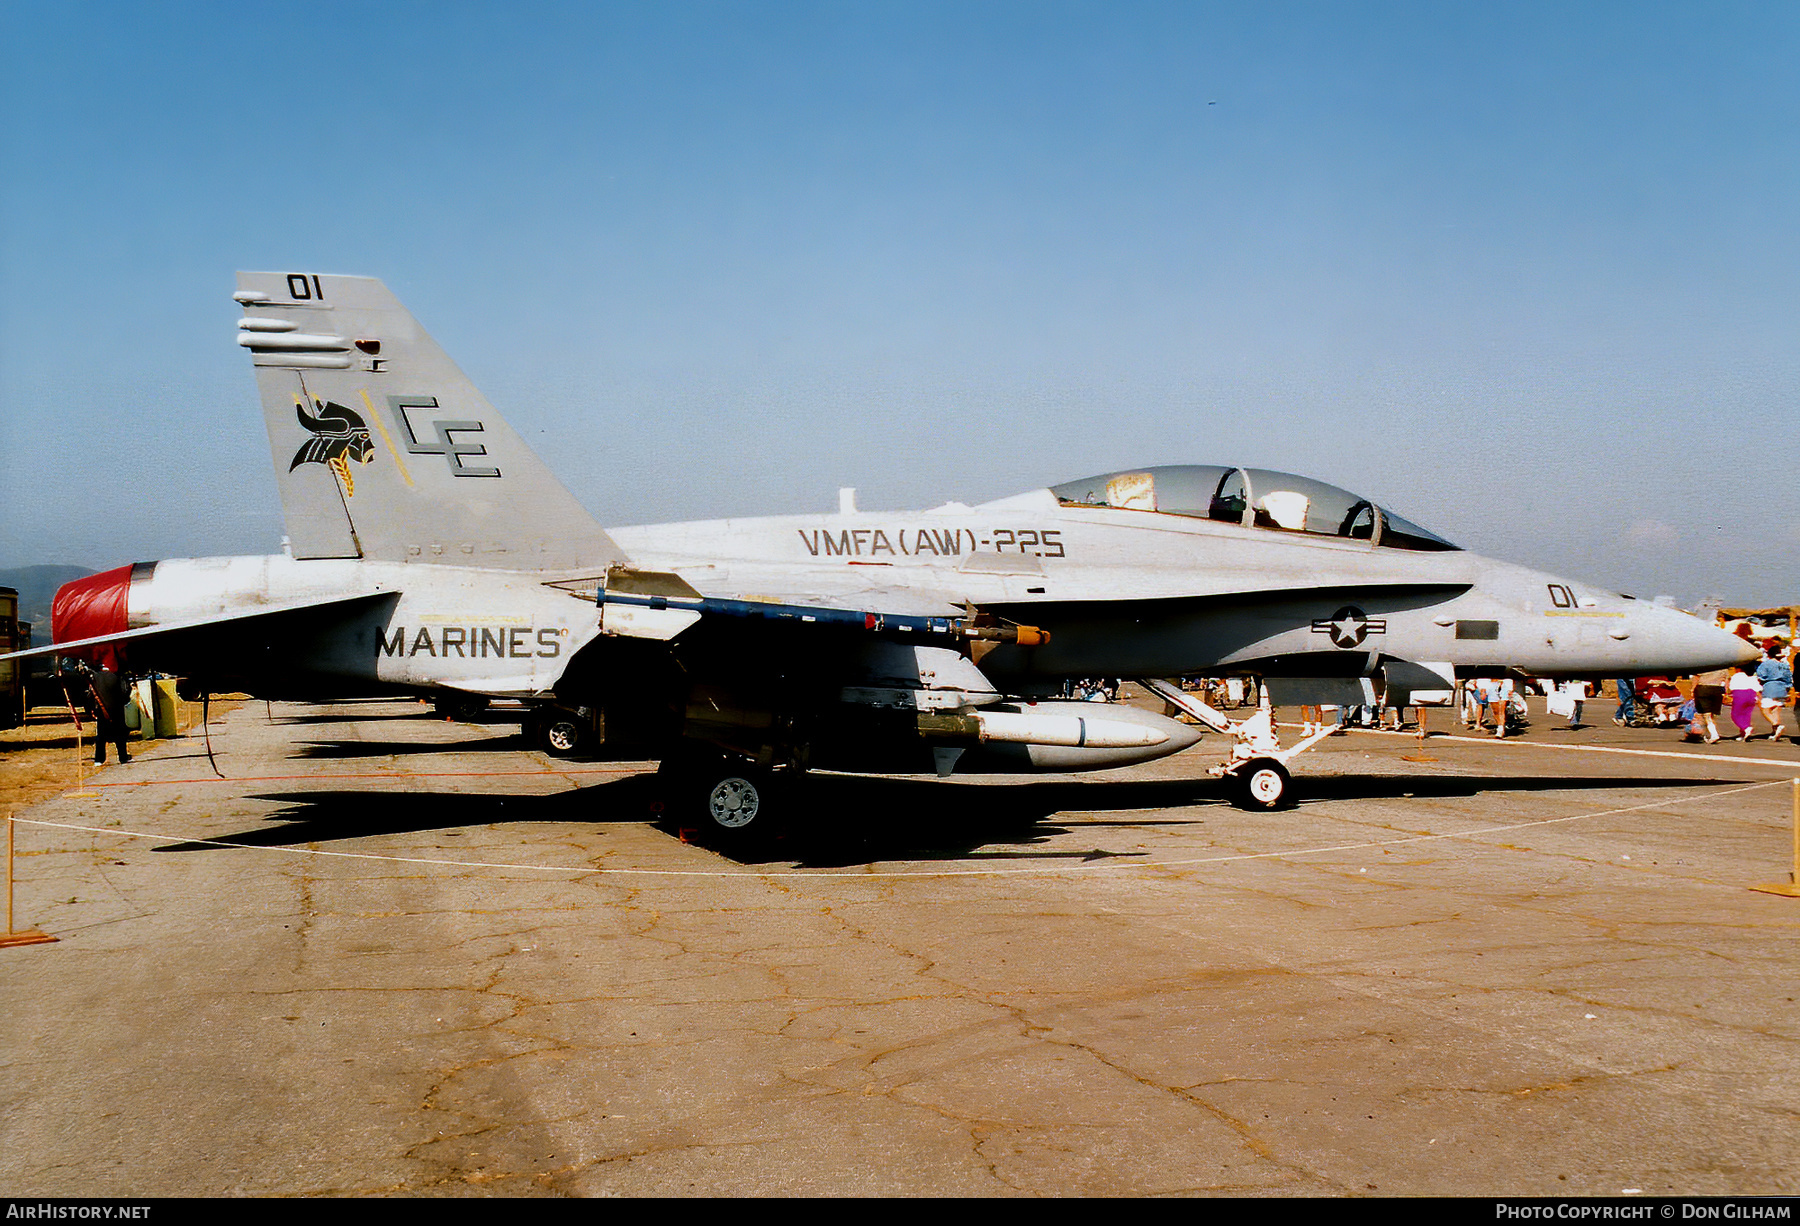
<point x="1252" y="498"/>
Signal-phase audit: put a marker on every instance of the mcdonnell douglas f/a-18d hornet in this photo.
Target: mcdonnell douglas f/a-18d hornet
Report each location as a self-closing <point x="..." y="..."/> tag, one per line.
<point x="431" y="553"/>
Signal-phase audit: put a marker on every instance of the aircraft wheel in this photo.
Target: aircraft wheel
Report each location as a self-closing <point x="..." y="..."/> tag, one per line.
<point x="736" y="800"/>
<point x="1262" y="785"/>
<point x="562" y="734"/>
<point x="733" y="802"/>
<point x="460" y="707"/>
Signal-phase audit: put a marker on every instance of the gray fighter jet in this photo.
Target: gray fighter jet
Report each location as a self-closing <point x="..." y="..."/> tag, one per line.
<point x="431" y="552"/>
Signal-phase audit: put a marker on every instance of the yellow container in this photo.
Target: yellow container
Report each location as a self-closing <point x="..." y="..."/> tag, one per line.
<point x="150" y="709"/>
<point x="166" y="706"/>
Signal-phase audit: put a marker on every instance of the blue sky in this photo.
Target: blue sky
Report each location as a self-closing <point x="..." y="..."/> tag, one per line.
<point x="1526" y="273"/>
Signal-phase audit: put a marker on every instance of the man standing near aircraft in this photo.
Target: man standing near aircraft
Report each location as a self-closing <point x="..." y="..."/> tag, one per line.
<point x="106" y="700"/>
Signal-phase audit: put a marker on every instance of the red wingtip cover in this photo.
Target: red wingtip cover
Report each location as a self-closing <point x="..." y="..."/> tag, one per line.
<point x="87" y="608"/>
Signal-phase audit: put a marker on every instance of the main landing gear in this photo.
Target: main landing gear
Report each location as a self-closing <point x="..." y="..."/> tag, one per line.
<point x="733" y="802"/>
<point x="460" y="707"/>
<point x="563" y="733"/>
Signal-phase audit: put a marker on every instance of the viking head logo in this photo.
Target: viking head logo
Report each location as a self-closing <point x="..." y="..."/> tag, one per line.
<point x="338" y="436"/>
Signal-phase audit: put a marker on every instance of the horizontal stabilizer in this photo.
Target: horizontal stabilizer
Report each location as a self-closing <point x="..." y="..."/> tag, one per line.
<point x="236" y="617"/>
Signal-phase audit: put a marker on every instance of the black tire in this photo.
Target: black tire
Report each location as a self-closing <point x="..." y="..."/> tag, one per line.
<point x="1262" y="785"/>
<point x="563" y="734"/>
<point x="733" y="802"/>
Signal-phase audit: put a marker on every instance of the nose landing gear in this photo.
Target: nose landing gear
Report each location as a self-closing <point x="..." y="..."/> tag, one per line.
<point x="1261" y="785"/>
<point x="1256" y="775"/>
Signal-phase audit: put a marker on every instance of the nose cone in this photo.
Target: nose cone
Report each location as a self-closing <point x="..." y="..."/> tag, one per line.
<point x="1682" y="644"/>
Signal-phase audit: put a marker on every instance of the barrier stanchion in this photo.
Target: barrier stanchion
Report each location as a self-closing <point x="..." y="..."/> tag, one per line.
<point x="31" y="936"/>
<point x="80" y="759"/>
<point x="1791" y="887"/>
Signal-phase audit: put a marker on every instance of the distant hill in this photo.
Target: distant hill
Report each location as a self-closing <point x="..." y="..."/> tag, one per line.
<point x="37" y="588"/>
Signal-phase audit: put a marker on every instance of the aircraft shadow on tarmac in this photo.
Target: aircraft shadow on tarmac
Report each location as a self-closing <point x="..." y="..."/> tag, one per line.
<point x="858" y="820"/>
<point x="379" y="716"/>
<point x="848" y="820"/>
<point x="377" y="749"/>
<point x="331" y="816"/>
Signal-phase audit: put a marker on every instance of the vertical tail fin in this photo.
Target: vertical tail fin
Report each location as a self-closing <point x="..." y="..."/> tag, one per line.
<point x="383" y="449"/>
